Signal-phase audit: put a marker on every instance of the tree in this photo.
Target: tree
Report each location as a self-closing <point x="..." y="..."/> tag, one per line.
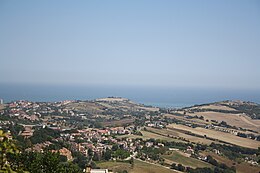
<point x="80" y="159"/>
<point x="121" y="154"/>
<point x="115" y="147"/>
<point x="107" y="154"/>
<point x="90" y="152"/>
<point x="43" y="134"/>
<point x="68" y="168"/>
<point x="180" y="167"/>
<point x="173" y="166"/>
<point x="212" y="161"/>
<point x="43" y="162"/>
<point x="96" y="157"/>
<point x="6" y="147"/>
<point x="131" y="161"/>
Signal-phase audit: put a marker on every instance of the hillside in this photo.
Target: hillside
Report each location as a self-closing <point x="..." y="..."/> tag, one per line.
<point x="250" y="109"/>
<point x="115" y="129"/>
<point x="238" y="114"/>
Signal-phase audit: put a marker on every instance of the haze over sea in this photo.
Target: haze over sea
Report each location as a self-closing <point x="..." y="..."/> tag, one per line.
<point x="155" y="96"/>
<point x="161" y="53"/>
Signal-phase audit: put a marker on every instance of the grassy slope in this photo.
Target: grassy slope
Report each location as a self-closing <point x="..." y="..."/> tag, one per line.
<point x="241" y="168"/>
<point x="142" y="167"/>
<point x="115" y="166"/>
<point x="139" y="167"/>
<point x="177" y="157"/>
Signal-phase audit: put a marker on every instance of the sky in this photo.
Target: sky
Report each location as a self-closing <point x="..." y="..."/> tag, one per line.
<point x="166" y="43"/>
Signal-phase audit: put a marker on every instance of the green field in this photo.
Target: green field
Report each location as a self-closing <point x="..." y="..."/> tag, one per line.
<point x="177" y="157"/>
<point x="139" y="167"/>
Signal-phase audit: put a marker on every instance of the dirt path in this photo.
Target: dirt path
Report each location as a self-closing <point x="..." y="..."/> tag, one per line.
<point x="243" y="118"/>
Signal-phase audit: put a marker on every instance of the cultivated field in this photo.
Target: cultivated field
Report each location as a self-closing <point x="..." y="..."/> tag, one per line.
<point x="238" y="120"/>
<point x="118" y="122"/>
<point x="203" y="122"/>
<point x="85" y="107"/>
<point x="215" y="107"/>
<point x="227" y="137"/>
<point x="151" y="109"/>
<point x="176" y="133"/>
<point x="182" y="118"/>
<point x="148" y="135"/>
<point x="112" y="99"/>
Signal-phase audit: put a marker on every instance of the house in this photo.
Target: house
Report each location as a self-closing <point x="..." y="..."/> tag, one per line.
<point x="149" y="144"/>
<point x="27" y="134"/>
<point x="67" y="153"/>
<point x="189" y="150"/>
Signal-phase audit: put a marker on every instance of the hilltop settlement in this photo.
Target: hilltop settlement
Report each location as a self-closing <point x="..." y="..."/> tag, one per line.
<point x="118" y="135"/>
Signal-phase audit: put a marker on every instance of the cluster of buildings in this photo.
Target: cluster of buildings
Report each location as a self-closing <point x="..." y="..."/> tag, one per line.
<point x="222" y="129"/>
<point x="156" y="124"/>
<point x="98" y="140"/>
<point x="233" y="132"/>
<point x="23" y="110"/>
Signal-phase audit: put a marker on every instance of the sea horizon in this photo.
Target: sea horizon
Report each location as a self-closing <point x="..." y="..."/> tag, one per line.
<point x="151" y="96"/>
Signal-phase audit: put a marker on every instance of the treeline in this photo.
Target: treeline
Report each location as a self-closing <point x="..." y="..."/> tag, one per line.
<point x="214" y="110"/>
<point x="44" y="134"/>
<point x="253" y="110"/>
<point x="233" y="152"/>
<point x="251" y="136"/>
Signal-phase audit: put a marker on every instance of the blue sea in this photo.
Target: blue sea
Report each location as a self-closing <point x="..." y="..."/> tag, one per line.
<point x="161" y="97"/>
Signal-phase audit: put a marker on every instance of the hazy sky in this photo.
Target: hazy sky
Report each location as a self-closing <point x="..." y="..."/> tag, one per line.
<point x="137" y="43"/>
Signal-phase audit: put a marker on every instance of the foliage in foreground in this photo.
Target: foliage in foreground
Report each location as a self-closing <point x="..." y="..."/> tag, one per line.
<point x="13" y="161"/>
<point x="6" y="147"/>
<point x="41" y="163"/>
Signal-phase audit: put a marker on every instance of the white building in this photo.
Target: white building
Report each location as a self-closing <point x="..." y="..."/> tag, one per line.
<point x="89" y="170"/>
<point x="99" y="171"/>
